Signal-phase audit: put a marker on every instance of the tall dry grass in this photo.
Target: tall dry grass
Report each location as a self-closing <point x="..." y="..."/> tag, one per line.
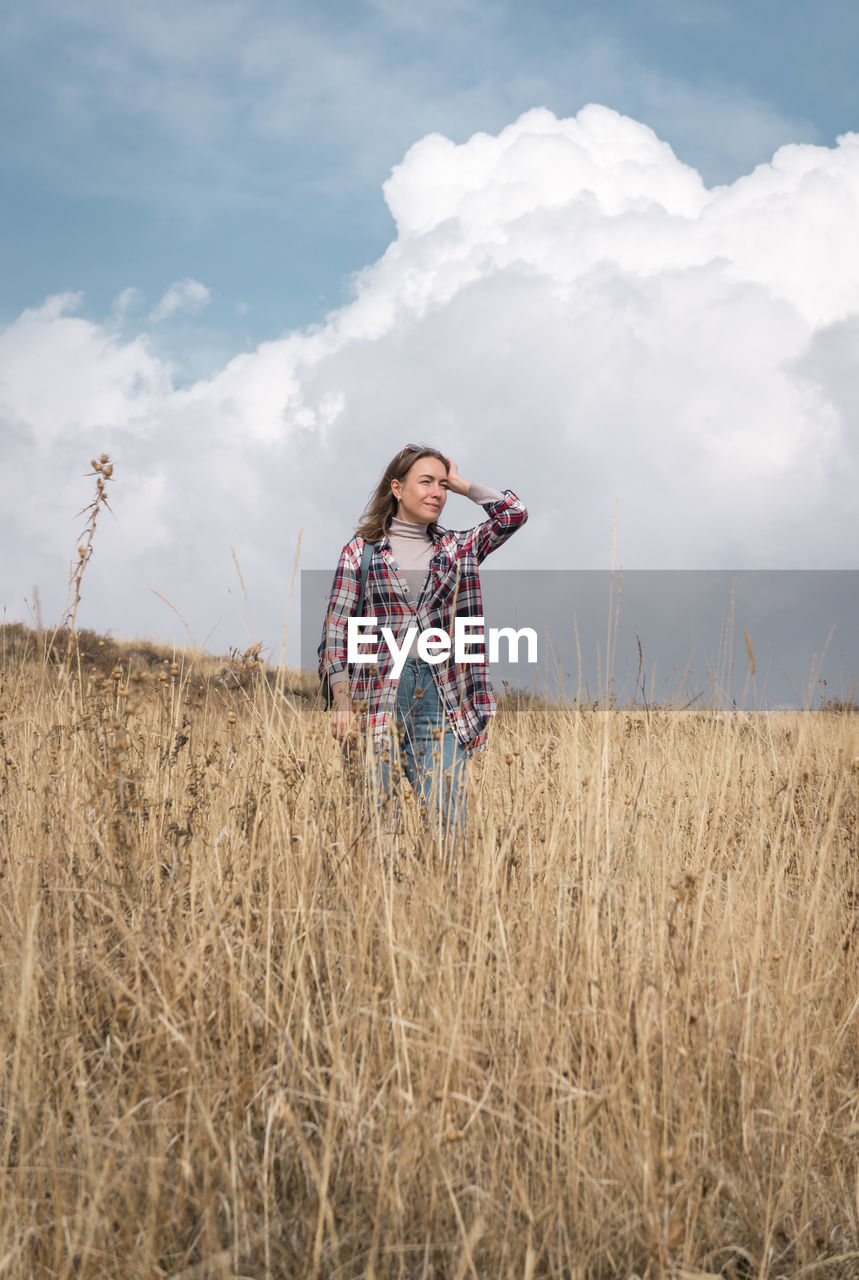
<point x="247" y="1033"/>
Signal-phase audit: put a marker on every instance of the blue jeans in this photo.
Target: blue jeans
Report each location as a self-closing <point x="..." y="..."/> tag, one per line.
<point x="430" y="751"/>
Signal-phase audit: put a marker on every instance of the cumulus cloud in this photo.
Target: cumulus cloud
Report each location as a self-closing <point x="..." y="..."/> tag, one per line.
<point x="61" y="375"/>
<point x="184" y="295"/>
<point x="566" y="308"/>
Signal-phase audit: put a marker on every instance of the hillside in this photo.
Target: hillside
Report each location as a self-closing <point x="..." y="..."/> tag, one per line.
<point x="252" y="1029"/>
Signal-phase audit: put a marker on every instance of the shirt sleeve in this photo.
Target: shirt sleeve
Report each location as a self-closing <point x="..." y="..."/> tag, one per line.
<point x="342" y="602"/>
<point x="505" y="516"/>
<point x="482" y="494"/>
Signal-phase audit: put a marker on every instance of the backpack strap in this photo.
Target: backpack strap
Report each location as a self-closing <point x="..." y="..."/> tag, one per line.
<point x="366" y="557"/>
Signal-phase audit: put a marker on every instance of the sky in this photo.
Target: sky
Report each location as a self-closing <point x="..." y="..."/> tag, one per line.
<point x="603" y="255"/>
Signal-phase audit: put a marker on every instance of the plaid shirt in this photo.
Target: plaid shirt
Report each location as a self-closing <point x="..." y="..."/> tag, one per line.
<point x="452" y="589"/>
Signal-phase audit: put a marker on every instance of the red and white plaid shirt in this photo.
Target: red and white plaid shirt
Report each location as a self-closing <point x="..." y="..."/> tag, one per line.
<point x="451" y="590"/>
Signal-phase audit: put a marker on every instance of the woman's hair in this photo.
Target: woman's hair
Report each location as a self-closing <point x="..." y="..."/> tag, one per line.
<point x="382" y="507"/>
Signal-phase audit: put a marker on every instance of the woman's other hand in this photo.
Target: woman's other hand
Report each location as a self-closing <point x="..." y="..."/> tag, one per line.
<point x="343" y="719"/>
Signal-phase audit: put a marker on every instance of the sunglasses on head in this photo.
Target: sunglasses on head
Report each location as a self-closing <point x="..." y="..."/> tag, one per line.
<point x="419" y="448"/>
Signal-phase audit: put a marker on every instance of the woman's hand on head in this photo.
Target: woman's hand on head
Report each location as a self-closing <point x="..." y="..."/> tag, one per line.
<point x="455" y="482"/>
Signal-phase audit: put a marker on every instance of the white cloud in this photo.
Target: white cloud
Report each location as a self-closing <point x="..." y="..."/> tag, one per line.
<point x="183" y="295"/>
<point x="62" y="375"/>
<point x="125" y="301"/>
<point x="566" y="308"/>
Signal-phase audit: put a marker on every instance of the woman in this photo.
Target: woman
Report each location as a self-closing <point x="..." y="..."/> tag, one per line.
<point x="420" y="575"/>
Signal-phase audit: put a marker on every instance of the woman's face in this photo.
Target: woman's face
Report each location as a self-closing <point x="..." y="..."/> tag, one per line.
<point x="422" y="492"/>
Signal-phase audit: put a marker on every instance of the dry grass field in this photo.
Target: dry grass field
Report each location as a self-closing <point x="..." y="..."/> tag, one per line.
<point x="245" y="1032"/>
